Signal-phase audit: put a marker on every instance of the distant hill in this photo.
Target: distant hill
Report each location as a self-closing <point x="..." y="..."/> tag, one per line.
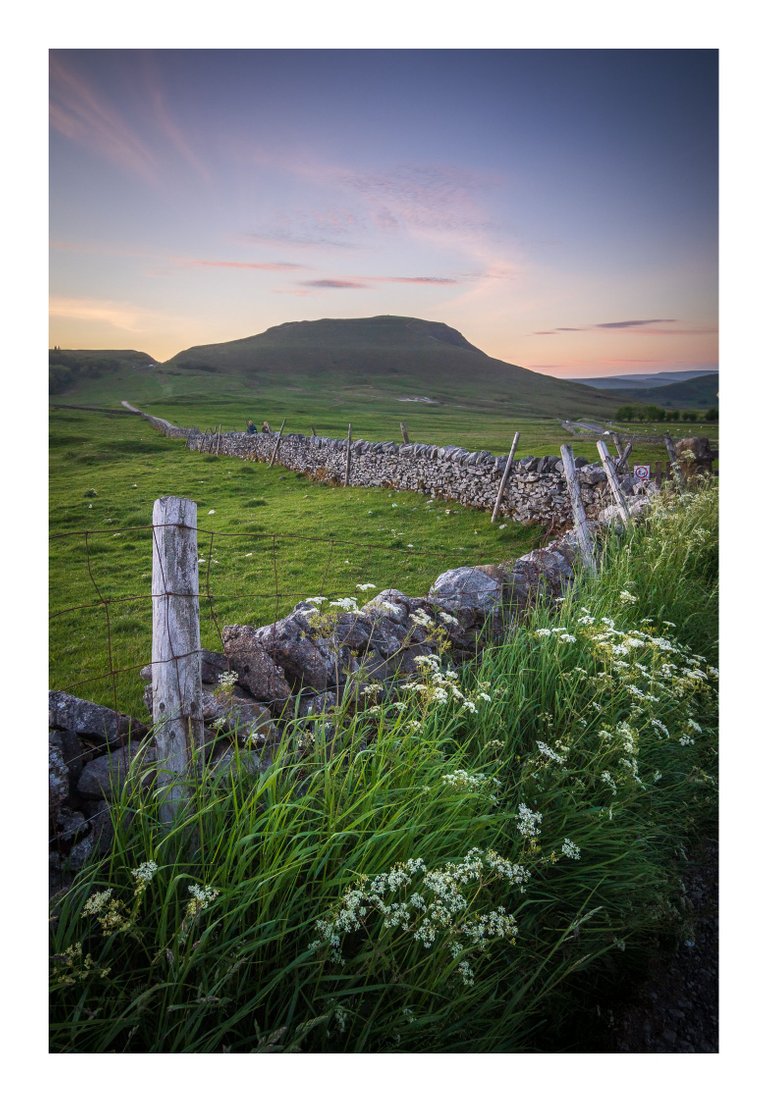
<point x="390" y="356"/>
<point x="69" y="367"/>
<point x="646" y="379"/>
<point x="696" y="394"/>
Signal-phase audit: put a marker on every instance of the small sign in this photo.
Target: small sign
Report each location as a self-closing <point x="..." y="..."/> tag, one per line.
<point x="642" y="471"/>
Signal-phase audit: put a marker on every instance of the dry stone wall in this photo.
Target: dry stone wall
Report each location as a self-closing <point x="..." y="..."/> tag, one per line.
<point x="536" y="490"/>
<point x="301" y="665"/>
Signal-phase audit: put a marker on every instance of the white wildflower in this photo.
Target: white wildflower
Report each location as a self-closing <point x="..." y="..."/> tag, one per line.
<point x="528" y="822"/>
<point x="570" y="850"/>
<point x="96" y="903"/>
<point x="606" y="777"/>
<point x="145" y="872"/>
<point x="547" y="751"/>
<point x="626" y="598"/>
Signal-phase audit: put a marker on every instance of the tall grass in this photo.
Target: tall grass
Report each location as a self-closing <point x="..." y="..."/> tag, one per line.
<point x="430" y="873"/>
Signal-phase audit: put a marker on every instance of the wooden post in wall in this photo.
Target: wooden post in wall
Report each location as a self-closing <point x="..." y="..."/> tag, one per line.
<point x="277" y="444"/>
<point x="622" y="464"/>
<point x="504" y="477"/>
<point x="613" y="481"/>
<point x="677" y="474"/>
<point x="580" y="523"/>
<point x="404" y="431"/>
<point x="348" y="459"/>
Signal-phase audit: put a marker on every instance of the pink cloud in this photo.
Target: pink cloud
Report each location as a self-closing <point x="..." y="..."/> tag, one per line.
<point x="263" y="266"/>
<point x="79" y="115"/>
<point x="334" y="284"/>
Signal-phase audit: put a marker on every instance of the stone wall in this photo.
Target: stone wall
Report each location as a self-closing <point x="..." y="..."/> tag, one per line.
<point x="288" y="673"/>
<point x="536" y="490"/>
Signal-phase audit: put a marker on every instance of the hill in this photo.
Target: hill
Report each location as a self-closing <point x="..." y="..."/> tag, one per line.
<point x="644" y="379"/>
<point x="69" y="367"/>
<point x="389" y="357"/>
<point x="696" y="394"/>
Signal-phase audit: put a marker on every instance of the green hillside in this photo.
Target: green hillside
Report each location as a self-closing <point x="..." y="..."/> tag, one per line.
<point x="696" y="394"/>
<point x="339" y="362"/>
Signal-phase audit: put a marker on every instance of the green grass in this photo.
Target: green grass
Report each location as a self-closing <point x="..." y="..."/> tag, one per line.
<point x="583" y="726"/>
<point x="106" y="472"/>
<point x="107" y="469"/>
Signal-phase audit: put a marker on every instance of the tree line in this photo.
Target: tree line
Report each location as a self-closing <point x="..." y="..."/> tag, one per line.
<point x="658" y="413"/>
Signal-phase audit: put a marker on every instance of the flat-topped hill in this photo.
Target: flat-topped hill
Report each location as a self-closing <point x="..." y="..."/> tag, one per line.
<point x="409" y="357"/>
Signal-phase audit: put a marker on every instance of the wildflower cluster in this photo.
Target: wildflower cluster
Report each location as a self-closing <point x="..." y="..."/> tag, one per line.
<point x="429" y="907"/>
<point x="440" y="687"/>
<point x="528" y="822"/>
<point x="202" y="896"/>
<point x="225" y="689"/>
<point x="108" y="912"/>
<point x="73" y="965"/>
<point x="474" y="783"/>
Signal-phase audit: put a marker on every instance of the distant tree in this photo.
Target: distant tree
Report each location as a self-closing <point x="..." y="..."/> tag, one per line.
<point x="654" y="413"/>
<point x="673" y="415"/>
<point x="712" y="414"/>
<point x="690" y="415"/>
<point x="626" y="413"/>
<point x="59" y="378"/>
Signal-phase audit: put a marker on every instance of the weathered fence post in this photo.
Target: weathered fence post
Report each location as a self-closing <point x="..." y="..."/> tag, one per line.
<point x="577" y="506"/>
<point x="613" y="482"/>
<point x="617" y="444"/>
<point x="277" y="444"/>
<point x="677" y="474"/>
<point x="404" y="431"/>
<point x="177" y="706"/>
<point x="504" y="477"/>
<point x="348" y="460"/>
<point x="622" y="464"/>
<point x="218" y="440"/>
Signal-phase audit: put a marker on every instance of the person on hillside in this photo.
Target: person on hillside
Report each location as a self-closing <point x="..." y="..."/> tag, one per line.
<point x="265" y="427"/>
<point x="250" y="427"/>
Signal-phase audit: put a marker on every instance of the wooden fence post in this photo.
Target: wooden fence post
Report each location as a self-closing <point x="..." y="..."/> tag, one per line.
<point x="622" y="464"/>
<point x="404" y="431"/>
<point x="613" y="482"/>
<point x="677" y="474"/>
<point x="577" y="506"/>
<point x="504" y="477"/>
<point x="277" y="444"/>
<point x="177" y="694"/>
<point x="348" y="461"/>
<point x="218" y="440"/>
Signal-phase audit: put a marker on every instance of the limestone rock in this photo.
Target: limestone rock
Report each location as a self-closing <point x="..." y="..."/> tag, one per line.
<point x="108" y="772"/>
<point x="96" y="722"/>
<point x="254" y="665"/>
<point x="477" y="589"/>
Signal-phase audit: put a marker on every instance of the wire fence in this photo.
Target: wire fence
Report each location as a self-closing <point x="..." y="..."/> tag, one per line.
<point x="109" y="661"/>
<point x="219" y="595"/>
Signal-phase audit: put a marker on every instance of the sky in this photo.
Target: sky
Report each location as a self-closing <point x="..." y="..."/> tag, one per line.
<point x="558" y="207"/>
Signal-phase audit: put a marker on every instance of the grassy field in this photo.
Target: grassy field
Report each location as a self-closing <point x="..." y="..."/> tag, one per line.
<point x="106" y="472"/>
<point x="108" y="468"/>
<point x="447" y="873"/>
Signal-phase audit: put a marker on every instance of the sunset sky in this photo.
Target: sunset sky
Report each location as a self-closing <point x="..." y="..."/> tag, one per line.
<point x="558" y="207"/>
